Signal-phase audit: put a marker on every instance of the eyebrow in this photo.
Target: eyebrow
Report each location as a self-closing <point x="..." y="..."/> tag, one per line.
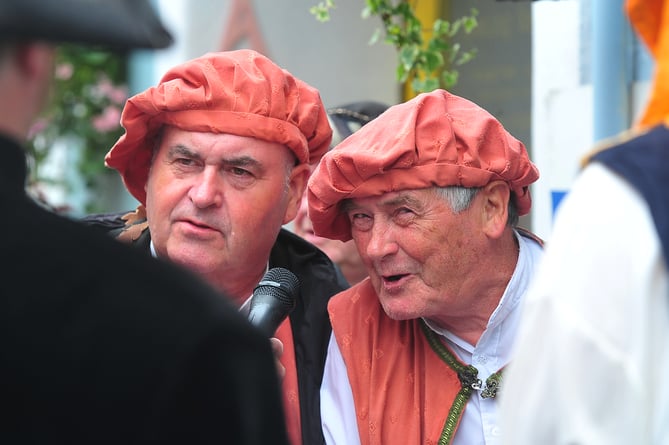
<point x="180" y="149"/>
<point x="403" y="199"/>
<point x="240" y="161"/>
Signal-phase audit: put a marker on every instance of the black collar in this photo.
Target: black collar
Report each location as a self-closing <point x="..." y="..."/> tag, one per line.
<point x="13" y="167"/>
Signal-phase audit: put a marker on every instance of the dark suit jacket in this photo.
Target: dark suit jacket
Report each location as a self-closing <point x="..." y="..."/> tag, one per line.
<point x="102" y="344"/>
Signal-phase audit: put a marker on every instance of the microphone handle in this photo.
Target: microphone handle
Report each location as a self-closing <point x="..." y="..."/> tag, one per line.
<point x="267" y="318"/>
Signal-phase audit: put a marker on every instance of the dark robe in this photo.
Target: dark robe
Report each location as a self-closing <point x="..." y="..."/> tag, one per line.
<point x="100" y="344"/>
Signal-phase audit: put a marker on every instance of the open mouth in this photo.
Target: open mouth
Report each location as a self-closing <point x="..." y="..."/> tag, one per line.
<point x="393" y="278"/>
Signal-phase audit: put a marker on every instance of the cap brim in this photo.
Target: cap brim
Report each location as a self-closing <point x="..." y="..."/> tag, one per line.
<point x="119" y="24"/>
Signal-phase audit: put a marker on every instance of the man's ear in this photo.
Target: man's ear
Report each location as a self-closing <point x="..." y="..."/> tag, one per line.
<point x="35" y="59"/>
<point x="296" y="186"/>
<point x="495" y="208"/>
<point x="29" y="68"/>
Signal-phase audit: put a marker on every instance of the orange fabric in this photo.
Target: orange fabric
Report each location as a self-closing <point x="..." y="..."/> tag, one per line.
<point x="291" y="401"/>
<point x="401" y="388"/>
<point x="237" y="92"/>
<point x="650" y="19"/>
<point x="435" y="139"/>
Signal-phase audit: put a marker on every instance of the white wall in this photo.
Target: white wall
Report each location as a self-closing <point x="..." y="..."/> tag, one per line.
<point x="334" y="56"/>
<point x="561" y="106"/>
<point x="562" y="103"/>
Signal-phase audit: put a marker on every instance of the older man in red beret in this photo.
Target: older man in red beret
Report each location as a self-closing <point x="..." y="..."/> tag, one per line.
<point x="345" y="120"/>
<point x="218" y="154"/>
<point x="430" y="191"/>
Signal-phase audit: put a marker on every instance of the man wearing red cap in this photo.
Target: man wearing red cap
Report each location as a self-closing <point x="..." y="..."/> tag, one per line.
<point x="418" y="349"/>
<point x="596" y="373"/>
<point x="344" y="120"/>
<point x="101" y="344"/>
<point x="218" y="153"/>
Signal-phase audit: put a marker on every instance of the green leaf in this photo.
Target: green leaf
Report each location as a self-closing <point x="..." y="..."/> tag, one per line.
<point x="375" y="37"/>
<point x="449" y="78"/>
<point x="416" y="58"/>
<point x="401" y="73"/>
<point x="433" y="60"/>
<point x="408" y="56"/>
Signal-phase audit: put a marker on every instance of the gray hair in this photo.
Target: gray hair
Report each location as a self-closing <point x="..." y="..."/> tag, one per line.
<point x="460" y="198"/>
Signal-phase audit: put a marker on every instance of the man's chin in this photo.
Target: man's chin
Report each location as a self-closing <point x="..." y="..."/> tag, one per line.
<point x="400" y="314"/>
<point x="196" y="260"/>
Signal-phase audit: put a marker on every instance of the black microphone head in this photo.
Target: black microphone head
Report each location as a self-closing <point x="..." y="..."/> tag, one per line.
<point x="282" y="284"/>
<point x="273" y="299"/>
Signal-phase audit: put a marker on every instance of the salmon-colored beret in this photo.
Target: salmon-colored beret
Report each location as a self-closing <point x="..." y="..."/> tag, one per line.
<point x="434" y="139"/>
<point x="237" y="92"/>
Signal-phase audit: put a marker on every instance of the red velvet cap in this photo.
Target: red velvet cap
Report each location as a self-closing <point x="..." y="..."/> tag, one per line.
<point x="237" y="92"/>
<point x="434" y="139"/>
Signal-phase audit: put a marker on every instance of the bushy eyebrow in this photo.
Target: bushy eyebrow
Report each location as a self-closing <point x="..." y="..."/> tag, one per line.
<point x="182" y="150"/>
<point x="397" y="201"/>
<point x="240" y="161"/>
<point x="402" y="200"/>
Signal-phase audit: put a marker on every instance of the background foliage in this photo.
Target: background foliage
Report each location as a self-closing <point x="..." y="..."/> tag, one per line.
<point x="85" y="108"/>
<point x="91" y="85"/>
<point x="427" y="63"/>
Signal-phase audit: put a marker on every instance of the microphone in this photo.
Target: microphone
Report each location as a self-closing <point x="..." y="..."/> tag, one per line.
<point x="273" y="299"/>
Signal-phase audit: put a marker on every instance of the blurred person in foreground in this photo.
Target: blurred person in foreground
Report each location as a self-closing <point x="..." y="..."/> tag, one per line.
<point x="98" y="343"/>
<point x="344" y="120"/>
<point x="593" y="357"/>
<point x="218" y="153"/>
<point x="430" y="191"/>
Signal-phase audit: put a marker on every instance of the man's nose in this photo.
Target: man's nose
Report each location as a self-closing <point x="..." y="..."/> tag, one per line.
<point x="207" y="189"/>
<point x="381" y="241"/>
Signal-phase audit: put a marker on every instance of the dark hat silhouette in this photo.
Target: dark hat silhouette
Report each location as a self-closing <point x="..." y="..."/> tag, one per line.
<point x="348" y="118"/>
<point x="118" y="24"/>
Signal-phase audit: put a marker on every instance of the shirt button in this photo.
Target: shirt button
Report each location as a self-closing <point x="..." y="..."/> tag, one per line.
<point x="481" y="358"/>
<point x="496" y="431"/>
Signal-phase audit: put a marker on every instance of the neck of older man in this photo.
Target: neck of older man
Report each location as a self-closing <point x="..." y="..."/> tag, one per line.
<point x="483" y="292"/>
